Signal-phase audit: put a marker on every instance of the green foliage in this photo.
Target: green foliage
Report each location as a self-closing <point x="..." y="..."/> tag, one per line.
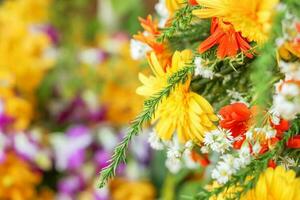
<point x="148" y="112"/>
<point x="181" y="21"/>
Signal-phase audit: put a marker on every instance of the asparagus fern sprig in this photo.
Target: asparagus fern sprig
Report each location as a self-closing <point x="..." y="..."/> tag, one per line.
<point x="146" y="115"/>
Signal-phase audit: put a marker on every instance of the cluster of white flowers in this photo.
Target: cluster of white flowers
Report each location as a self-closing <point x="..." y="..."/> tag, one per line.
<point x="155" y="142"/>
<point x="287" y="100"/>
<point x="138" y="49"/>
<point x="202" y="70"/>
<point x="162" y="12"/>
<point x="231" y="164"/>
<point x="218" y="140"/>
<point x="290" y="69"/>
<point x="179" y="156"/>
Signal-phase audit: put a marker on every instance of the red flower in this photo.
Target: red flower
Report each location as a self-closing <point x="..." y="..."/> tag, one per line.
<point x="294" y="142"/>
<point x="272" y="164"/>
<point x="193" y="2"/>
<point x="281" y="127"/>
<point x="235" y="117"/>
<point x="229" y="41"/>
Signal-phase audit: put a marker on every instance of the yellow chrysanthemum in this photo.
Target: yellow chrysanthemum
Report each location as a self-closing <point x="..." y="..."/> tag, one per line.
<point x="183" y="111"/>
<point x="18" y="181"/>
<point x="252" y="18"/>
<point x="173" y="5"/>
<point x="275" y="184"/>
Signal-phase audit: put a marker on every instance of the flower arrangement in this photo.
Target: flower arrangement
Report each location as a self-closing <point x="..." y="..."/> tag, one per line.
<point x="223" y="95"/>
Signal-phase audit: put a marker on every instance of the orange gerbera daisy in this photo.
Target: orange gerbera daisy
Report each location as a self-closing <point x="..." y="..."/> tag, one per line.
<point x="229" y="41"/>
<point x="149" y="37"/>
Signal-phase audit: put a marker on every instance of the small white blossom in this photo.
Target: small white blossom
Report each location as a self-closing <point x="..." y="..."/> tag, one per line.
<point x="201" y="70"/>
<point x="244" y="156"/>
<point x="287" y="109"/>
<point x="155" y="142"/>
<point x="275" y="116"/>
<point x="218" y="140"/>
<point x="189" y="144"/>
<point x="249" y="135"/>
<point x="174" y="165"/>
<point x="138" y="49"/>
<point x="290" y="90"/>
<point x="204" y="149"/>
<point x="162" y="12"/>
<point x="291" y="70"/>
<point x="222" y="173"/>
<point x="256" y="148"/>
<point x="270" y="133"/>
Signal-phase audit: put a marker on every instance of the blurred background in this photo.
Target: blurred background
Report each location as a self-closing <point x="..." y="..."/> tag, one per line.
<point x="67" y="95"/>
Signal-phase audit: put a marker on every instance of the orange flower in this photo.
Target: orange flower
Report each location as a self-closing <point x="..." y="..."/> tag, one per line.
<point x="149" y="37"/>
<point x="199" y="158"/>
<point x="229" y="41"/>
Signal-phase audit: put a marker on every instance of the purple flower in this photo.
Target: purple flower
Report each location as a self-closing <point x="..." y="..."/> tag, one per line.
<point x="52" y="33"/>
<point x="101" y="159"/>
<point x="5" y="121"/>
<point x="71" y="185"/>
<point x="70" y="149"/>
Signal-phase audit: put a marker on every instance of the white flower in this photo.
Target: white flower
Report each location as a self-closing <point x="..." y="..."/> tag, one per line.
<point x="188" y="161"/>
<point x="174" y="153"/>
<point x="201" y="70"/>
<point x="270" y="133"/>
<point x="290" y="90"/>
<point x="287" y="109"/>
<point x="204" y="149"/>
<point x="256" y="148"/>
<point x="174" y="165"/>
<point x="244" y="156"/>
<point x="275" y="116"/>
<point x="155" y="142"/>
<point x="189" y="144"/>
<point x="138" y="49"/>
<point x="218" y="140"/>
<point x="222" y="173"/>
<point x="163" y="12"/>
<point x="249" y="134"/>
<point x="291" y="70"/>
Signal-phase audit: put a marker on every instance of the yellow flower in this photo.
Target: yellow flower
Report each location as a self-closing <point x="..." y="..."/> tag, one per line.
<point x="20" y="110"/>
<point x="18" y="181"/>
<point x="173" y="5"/>
<point x="252" y="18"/>
<point x="183" y="111"/>
<point x="23" y="52"/>
<point x="122" y="189"/>
<point x="275" y="184"/>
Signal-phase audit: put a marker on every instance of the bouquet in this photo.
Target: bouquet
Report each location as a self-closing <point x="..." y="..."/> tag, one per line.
<point x="223" y="95"/>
